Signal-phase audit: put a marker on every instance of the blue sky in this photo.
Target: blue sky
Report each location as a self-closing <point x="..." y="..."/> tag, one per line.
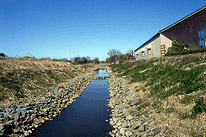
<point x="72" y="28"/>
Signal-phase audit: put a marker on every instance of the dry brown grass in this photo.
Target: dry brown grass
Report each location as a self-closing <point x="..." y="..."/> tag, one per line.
<point x="33" y="76"/>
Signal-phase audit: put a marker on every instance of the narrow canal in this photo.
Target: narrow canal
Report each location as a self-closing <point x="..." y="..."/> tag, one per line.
<point x="86" y="117"/>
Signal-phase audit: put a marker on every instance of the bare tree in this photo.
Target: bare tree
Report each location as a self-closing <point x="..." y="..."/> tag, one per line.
<point x="96" y="60"/>
<point x="107" y="60"/>
<point x="123" y="57"/>
<point x="88" y="59"/>
<point x="130" y="52"/>
<point x="114" y="53"/>
<point x="84" y="60"/>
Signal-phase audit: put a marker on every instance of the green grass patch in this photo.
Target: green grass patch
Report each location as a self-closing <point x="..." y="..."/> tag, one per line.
<point x="51" y="97"/>
<point x="195" y="134"/>
<point x="2" y="95"/>
<point x="199" y="107"/>
<point x="170" y="110"/>
<point x="187" y="99"/>
<point x="19" y="94"/>
<point x="29" y="87"/>
<point x="142" y="105"/>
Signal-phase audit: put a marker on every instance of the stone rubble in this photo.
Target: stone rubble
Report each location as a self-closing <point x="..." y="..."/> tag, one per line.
<point x="22" y="119"/>
<point x="125" y="123"/>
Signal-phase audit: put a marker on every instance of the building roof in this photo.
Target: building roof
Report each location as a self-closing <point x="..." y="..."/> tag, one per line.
<point x="204" y="7"/>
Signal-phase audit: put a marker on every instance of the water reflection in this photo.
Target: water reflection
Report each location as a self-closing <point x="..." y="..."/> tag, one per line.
<point x="86" y="117"/>
<point x="102" y="72"/>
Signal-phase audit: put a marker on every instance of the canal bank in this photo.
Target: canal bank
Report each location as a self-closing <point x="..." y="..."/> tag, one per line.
<point x="123" y="98"/>
<point x="86" y="116"/>
<point x="23" y="119"/>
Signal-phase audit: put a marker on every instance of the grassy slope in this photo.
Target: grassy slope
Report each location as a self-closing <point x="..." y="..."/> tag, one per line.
<point x="23" y="78"/>
<point x="175" y="90"/>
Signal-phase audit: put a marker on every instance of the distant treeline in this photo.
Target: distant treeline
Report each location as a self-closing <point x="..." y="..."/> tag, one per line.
<point x="115" y="55"/>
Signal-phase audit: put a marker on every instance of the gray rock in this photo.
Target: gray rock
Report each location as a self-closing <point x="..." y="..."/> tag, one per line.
<point x="26" y="133"/>
<point x="129" y="117"/>
<point x="151" y="133"/>
<point x="1" y="109"/>
<point x="9" y="122"/>
<point x="1" y="126"/>
<point x="115" y="120"/>
<point x="117" y="135"/>
<point x="141" y="128"/>
<point x="157" y="135"/>
<point x="122" y="131"/>
<point x="119" y="123"/>
<point x="8" y="109"/>
<point x="28" y="107"/>
<point x="20" y="101"/>
<point x="146" y="118"/>
<point x="128" y="133"/>
<point x="8" y="116"/>
<point x="1" y="114"/>
<point x="153" y="128"/>
<point x="144" y="135"/>
<point x="145" y="123"/>
<point x="16" y="116"/>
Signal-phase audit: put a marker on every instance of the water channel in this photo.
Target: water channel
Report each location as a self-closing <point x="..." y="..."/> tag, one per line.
<point x="86" y="117"/>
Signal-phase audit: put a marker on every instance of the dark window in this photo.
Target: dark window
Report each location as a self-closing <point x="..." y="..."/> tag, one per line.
<point x="149" y="51"/>
<point x="142" y="53"/>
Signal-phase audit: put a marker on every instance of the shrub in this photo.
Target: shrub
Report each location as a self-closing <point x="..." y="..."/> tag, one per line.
<point x="199" y="107"/>
<point x="178" y="47"/>
<point x="20" y="94"/>
<point x="193" y="46"/>
<point x="55" y="59"/>
<point x="3" y="55"/>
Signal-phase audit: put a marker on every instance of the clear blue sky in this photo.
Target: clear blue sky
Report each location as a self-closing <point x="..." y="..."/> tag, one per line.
<point x="68" y="28"/>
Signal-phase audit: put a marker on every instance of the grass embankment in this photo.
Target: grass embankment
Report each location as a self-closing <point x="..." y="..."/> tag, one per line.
<point x="175" y="90"/>
<point x="27" y="77"/>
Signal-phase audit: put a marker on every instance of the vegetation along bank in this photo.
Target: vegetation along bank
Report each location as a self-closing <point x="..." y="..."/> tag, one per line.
<point x="165" y="98"/>
<point x="34" y="92"/>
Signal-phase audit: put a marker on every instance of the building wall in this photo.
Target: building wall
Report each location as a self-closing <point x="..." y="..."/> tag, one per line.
<point x="187" y="30"/>
<point x="165" y="41"/>
<point x="154" y="45"/>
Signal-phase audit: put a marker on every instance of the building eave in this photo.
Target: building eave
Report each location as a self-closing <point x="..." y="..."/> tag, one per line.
<point x="147" y="41"/>
<point x="193" y="13"/>
<point x="186" y="17"/>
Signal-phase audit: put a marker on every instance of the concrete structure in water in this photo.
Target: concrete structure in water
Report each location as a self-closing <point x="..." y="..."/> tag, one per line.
<point x="190" y="29"/>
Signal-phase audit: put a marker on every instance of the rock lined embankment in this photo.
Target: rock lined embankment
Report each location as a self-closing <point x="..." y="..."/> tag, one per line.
<point x="122" y="117"/>
<point x="23" y="119"/>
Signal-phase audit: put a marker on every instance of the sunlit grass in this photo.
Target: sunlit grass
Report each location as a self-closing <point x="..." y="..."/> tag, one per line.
<point x="20" y="75"/>
<point x="166" y="76"/>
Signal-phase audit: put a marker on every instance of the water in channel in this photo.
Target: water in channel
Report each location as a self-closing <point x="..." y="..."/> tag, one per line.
<point x="86" y="117"/>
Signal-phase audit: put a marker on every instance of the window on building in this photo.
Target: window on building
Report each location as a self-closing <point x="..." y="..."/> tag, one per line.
<point x="137" y="55"/>
<point x="142" y="53"/>
<point x="149" y="52"/>
<point x="202" y="37"/>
